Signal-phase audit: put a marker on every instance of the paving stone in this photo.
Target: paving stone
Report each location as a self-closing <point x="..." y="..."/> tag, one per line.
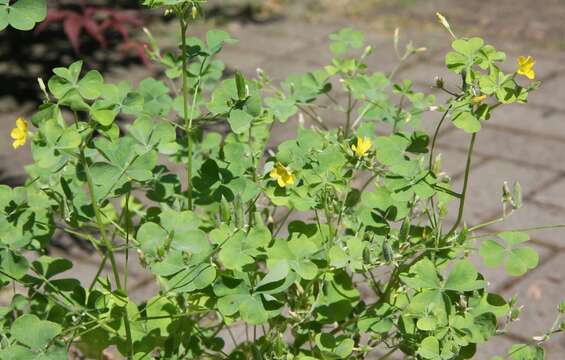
<point x="550" y="94"/>
<point x="257" y="40"/>
<point x="310" y="32"/>
<point x="245" y="61"/>
<point x="540" y="124"/>
<point x="518" y="148"/>
<point x="540" y="296"/>
<point x="291" y="65"/>
<point x="554" y="194"/>
<point x="485" y="187"/>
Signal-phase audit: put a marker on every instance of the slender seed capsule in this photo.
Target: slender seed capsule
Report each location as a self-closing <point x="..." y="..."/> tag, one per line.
<point x="404" y="231"/>
<point x="366" y="255"/>
<point x="388" y="253"/>
<point x="225" y="213"/>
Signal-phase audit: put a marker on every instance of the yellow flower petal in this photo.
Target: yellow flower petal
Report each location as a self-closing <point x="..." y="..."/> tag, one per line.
<point x="17" y="143"/>
<point x="362" y="147"/>
<point x="282" y="175"/>
<point x="21" y="124"/>
<point x="17" y="134"/>
<point x="525" y="67"/>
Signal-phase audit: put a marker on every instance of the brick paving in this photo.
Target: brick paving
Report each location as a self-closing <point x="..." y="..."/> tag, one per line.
<point x="524" y="143"/>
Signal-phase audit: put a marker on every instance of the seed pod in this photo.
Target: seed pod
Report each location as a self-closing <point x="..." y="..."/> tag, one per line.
<point x="388" y="253"/>
<point x="242" y="89"/>
<point x="225" y="213"/>
<point x="517" y="195"/>
<point x="258" y="219"/>
<point x="437" y="164"/>
<point x="404" y="231"/>
<point x="366" y="255"/>
<point x="238" y="212"/>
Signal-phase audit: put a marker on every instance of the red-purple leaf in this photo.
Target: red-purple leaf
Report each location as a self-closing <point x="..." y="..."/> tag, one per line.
<point x="73" y="26"/>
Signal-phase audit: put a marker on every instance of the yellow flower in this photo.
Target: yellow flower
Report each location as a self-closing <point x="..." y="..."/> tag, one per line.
<point x="526" y="67"/>
<point x="19" y="133"/>
<point x="282" y="174"/>
<point x="362" y="147"/>
<point x="476" y="100"/>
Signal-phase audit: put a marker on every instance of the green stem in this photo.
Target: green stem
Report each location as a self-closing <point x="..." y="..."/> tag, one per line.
<point x="99" y="222"/>
<point x="348" y="118"/>
<point x="127" y="219"/>
<point x="434" y="139"/>
<point x="547" y="227"/>
<point x="108" y="245"/>
<point x="187" y="120"/>
<point x="465" y="186"/>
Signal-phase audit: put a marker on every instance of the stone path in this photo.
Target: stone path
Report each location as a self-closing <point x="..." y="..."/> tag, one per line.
<point x="524" y="143"/>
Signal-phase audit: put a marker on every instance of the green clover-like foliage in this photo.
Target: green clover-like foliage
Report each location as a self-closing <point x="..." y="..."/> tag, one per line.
<point x="22" y="14"/>
<point x="516" y="259"/>
<point x="31" y="331"/>
<point x="327" y="245"/>
<point x="346" y="39"/>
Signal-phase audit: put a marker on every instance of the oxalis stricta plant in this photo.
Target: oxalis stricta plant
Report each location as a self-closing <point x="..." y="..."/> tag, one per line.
<point x="373" y="268"/>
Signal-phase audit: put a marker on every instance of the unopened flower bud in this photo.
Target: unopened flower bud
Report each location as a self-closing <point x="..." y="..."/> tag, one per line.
<point x="439" y="82"/>
<point x="476" y="100"/>
<point x="443" y="20"/>
<point x="194" y="12"/>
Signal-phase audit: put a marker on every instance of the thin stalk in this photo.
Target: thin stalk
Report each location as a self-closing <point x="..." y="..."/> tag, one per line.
<point x="187" y="121"/>
<point x="126" y="262"/>
<point x="434" y="139"/>
<point x="348" y="117"/>
<point x="108" y="245"/>
<point x="99" y="222"/>
<point x="465" y="186"/>
<point x="547" y="227"/>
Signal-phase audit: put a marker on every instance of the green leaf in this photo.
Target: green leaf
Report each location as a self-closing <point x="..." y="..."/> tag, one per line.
<point x="282" y="108"/>
<point x="514" y="237"/>
<point x="252" y="311"/>
<point x="467" y="122"/>
<point x="526" y="352"/>
<point x="429" y="348"/>
<point x="151" y="237"/>
<point x="49" y="267"/>
<point x="24" y="14"/>
<point x="12" y="264"/>
<point x="91" y="85"/>
<point x="463" y="277"/>
<point x="240" y="121"/>
<point x="521" y="260"/>
<point x="29" y="330"/>
<point x="516" y="260"/>
<point x="70" y="139"/>
<point x="345" y="39"/>
<point x="422" y="275"/>
<point x="334" y="347"/>
<point x="492" y="252"/>
<point x="4" y="21"/>
<point x="216" y="39"/>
